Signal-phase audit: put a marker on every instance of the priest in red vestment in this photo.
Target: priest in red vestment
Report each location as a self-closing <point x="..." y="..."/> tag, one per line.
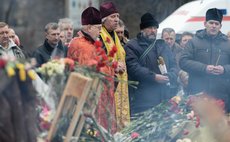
<point x="84" y="50"/>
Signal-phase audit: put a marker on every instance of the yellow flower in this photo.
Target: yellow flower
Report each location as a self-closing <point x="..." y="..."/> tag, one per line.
<point x="20" y="66"/>
<point x="22" y="74"/>
<point x="31" y="74"/>
<point x="10" y="71"/>
<point x="176" y="99"/>
<point x="91" y="132"/>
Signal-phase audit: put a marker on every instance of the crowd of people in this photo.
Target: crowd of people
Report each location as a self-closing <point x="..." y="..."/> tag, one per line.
<point x="198" y="62"/>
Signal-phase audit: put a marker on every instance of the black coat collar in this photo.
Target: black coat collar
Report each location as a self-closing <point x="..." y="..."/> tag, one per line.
<point x="50" y="48"/>
<point x="88" y="37"/>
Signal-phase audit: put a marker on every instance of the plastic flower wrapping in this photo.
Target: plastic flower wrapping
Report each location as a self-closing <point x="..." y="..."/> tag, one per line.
<point x="49" y="85"/>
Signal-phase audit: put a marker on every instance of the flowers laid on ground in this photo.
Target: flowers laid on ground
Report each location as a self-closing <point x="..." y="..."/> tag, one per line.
<point x="182" y="119"/>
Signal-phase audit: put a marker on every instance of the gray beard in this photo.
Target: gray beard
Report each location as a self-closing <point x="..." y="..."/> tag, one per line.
<point x="150" y="38"/>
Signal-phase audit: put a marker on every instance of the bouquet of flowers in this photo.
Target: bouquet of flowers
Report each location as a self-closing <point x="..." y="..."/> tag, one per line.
<point x="55" y="67"/>
<point x="24" y="67"/>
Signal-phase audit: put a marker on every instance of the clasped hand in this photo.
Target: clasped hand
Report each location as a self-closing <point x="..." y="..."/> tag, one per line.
<point x="215" y="70"/>
<point x="120" y="68"/>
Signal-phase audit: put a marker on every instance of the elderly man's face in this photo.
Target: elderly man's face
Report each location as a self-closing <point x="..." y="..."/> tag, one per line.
<point x="212" y="27"/>
<point x="68" y="31"/>
<point x="169" y="38"/>
<point x="150" y="32"/>
<point x="94" y="31"/>
<point x="4" y="35"/>
<point x="120" y="32"/>
<point x="111" y="22"/>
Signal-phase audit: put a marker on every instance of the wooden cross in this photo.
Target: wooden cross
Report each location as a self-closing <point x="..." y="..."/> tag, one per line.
<point x="77" y="90"/>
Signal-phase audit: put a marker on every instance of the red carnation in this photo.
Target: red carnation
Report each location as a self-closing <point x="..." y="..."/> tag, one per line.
<point x="220" y="103"/>
<point x="107" y="40"/>
<point x="104" y="57"/>
<point x="98" y="44"/>
<point x="2" y="63"/>
<point x="98" y="50"/>
<point x="102" y="52"/>
<point x="197" y="121"/>
<point x="111" y="53"/>
<point x="135" y="135"/>
<point x="185" y="132"/>
<point x="114" y="49"/>
<point x="115" y="65"/>
<point x="101" y="64"/>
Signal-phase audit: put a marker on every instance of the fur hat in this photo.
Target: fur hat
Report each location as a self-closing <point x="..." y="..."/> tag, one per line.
<point x="214" y="14"/>
<point x="107" y="8"/>
<point x="90" y="16"/>
<point x="148" y="20"/>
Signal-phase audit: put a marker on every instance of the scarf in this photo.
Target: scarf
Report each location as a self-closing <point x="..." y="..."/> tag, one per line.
<point x="121" y="93"/>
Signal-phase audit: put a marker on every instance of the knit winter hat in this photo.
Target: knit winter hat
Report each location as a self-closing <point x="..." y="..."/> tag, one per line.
<point x="148" y="20"/>
<point x="214" y="14"/>
<point x="107" y="8"/>
<point x="90" y="16"/>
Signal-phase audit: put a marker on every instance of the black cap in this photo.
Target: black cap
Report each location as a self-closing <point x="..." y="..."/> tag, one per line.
<point x="214" y="14"/>
<point x="148" y="20"/>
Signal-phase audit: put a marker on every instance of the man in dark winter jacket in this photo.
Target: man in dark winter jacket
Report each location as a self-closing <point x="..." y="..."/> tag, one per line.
<point x="207" y="59"/>
<point x="52" y="47"/>
<point x="143" y="66"/>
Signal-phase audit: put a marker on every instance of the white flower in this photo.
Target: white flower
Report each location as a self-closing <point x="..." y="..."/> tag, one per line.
<point x="50" y="72"/>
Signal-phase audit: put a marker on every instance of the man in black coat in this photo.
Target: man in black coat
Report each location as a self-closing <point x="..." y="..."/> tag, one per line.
<point x="207" y="59"/>
<point x="154" y="86"/>
<point x="52" y="47"/>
